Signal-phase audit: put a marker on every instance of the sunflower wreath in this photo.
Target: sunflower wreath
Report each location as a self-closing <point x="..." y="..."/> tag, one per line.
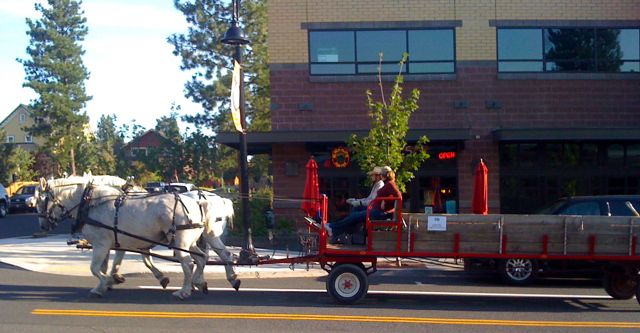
<point x="340" y="157"/>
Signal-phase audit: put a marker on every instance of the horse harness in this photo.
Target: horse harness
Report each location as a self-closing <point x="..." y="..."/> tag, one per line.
<point x="83" y="218"/>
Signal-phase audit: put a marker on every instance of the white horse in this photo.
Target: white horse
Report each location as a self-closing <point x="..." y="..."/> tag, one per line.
<point x="129" y="188"/>
<point x="217" y="216"/>
<point x="152" y="218"/>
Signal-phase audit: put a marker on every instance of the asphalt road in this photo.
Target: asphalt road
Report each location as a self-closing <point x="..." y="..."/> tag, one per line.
<point x="25" y="224"/>
<point x="440" y="298"/>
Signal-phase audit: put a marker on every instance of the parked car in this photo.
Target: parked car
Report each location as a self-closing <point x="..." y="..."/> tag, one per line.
<point x="181" y="187"/>
<point x="525" y="271"/>
<point x="155" y="187"/>
<point x="4" y="202"/>
<point x="23" y="199"/>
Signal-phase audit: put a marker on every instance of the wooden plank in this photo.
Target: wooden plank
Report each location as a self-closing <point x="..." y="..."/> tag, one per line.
<point x="387" y="241"/>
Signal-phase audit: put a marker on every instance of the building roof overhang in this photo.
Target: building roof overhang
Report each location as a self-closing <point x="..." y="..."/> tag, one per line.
<point x="566" y="134"/>
<point x="260" y="142"/>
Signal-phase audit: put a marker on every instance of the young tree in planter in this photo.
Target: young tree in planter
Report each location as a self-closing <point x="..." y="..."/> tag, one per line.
<point x="55" y="71"/>
<point x="385" y="144"/>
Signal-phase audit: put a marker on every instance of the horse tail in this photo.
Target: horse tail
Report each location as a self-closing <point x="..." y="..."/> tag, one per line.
<point x="230" y="213"/>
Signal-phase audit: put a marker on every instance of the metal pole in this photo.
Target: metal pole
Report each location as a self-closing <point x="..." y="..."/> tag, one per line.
<point x="242" y="162"/>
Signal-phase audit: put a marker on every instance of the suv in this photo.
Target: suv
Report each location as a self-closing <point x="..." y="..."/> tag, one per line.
<point x="23" y="199"/>
<point x="180" y="187"/>
<point x="4" y="202"/>
<point x="524" y="271"/>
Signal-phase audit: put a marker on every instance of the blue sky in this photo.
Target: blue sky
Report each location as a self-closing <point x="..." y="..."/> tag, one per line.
<point x="134" y="75"/>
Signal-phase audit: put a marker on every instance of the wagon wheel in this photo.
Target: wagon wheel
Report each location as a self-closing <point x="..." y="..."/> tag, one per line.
<point x="620" y="285"/>
<point x="518" y="271"/>
<point x="347" y="283"/>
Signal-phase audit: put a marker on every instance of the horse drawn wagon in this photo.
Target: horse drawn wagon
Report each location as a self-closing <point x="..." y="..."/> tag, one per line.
<point x="610" y="242"/>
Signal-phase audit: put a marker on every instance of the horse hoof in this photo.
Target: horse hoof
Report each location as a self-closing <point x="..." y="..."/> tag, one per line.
<point x="94" y="294"/>
<point x="236" y="284"/>
<point x="164" y="282"/>
<point x="118" y="279"/>
<point x="179" y="295"/>
<point x="205" y="288"/>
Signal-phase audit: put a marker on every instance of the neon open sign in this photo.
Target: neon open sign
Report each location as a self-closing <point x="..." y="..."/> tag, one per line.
<point x="447" y="155"/>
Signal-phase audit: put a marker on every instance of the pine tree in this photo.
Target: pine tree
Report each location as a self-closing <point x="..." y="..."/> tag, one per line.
<point x="211" y="62"/>
<point x="56" y="73"/>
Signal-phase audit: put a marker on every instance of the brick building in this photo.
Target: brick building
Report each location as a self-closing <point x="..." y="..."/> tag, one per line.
<point x="546" y="92"/>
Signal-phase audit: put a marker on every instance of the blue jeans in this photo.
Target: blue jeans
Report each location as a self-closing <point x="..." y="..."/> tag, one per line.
<point x="349" y="223"/>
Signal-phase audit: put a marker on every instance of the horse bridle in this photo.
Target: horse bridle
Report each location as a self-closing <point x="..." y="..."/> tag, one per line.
<point x="48" y="214"/>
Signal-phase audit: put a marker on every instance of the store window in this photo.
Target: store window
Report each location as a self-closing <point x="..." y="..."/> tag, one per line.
<point x="532" y="175"/>
<point x="568" y="50"/>
<point x="355" y="52"/>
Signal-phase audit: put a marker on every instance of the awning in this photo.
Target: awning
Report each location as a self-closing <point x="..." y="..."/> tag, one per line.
<point x="260" y="142"/>
<point x="566" y="134"/>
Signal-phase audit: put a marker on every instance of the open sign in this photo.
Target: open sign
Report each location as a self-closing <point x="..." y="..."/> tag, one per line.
<point x="447" y="155"/>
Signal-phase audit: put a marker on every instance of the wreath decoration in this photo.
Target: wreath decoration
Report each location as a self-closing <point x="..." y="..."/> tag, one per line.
<point x="340" y="157"/>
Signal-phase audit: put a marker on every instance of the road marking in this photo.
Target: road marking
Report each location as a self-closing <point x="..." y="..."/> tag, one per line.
<point x="398" y="292"/>
<point x="337" y="318"/>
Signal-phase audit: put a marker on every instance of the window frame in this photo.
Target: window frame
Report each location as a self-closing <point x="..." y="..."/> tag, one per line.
<point x="28" y="138"/>
<point x="10" y="139"/>
<point x="356" y="64"/>
<point x="543" y="58"/>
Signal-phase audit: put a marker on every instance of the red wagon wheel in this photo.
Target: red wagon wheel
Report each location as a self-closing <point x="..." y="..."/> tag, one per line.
<point x="347" y="283"/>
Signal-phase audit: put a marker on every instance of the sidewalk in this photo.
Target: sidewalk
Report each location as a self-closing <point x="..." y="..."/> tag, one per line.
<point x="51" y="254"/>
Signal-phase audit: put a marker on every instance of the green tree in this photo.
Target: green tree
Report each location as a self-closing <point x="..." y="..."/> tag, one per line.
<point x="168" y="160"/>
<point x="20" y="163"/>
<point x="211" y="63"/>
<point x="201" y="156"/>
<point x="385" y="143"/>
<point x="87" y="153"/>
<point x="5" y="152"/>
<point x="108" y="143"/>
<point x="56" y="73"/>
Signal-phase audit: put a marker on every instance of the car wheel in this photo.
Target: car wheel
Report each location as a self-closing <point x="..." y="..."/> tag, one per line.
<point x="518" y="271"/>
<point x="347" y="283"/>
<point x="619" y="285"/>
<point x="3" y="209"/>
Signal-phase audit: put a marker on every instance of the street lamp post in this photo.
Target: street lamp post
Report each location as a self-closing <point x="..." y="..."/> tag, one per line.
<point x="236" y="37"/>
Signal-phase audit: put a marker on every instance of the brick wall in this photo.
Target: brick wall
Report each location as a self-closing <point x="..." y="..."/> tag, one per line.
<point x="524" y="104"/>
<point x="288" y="188"/>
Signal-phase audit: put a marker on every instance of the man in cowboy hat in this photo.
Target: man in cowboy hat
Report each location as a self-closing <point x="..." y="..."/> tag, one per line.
<point x="376" y="178"/>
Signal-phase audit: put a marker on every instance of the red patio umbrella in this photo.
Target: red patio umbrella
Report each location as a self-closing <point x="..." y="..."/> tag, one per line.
<point x="481" y="189"/>
<point x="311" y="195"/>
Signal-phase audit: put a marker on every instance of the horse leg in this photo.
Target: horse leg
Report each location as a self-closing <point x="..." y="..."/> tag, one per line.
<point x="148" y="261"/>
<point x="187" y="268"/>
<point x="201" y="261"/>
<point x="105" y="264"/>
<point x="115" y="267"/>
<point x="98" y="269"/>
<point x="221" y="250"/>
